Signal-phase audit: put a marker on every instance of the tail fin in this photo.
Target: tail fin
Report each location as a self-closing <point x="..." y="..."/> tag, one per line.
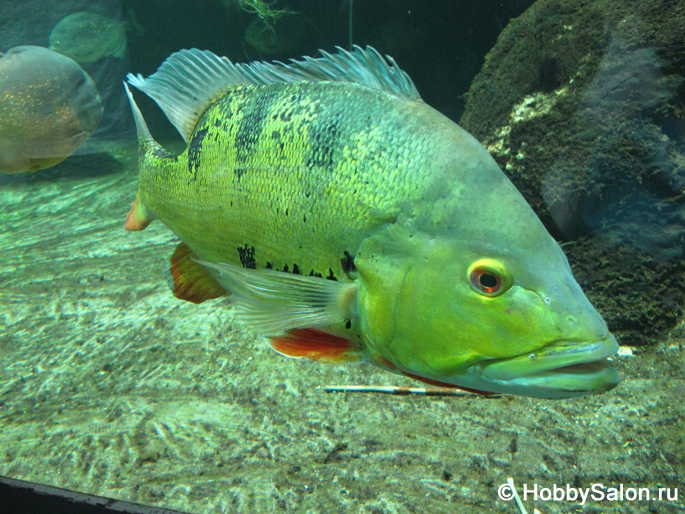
<point x="139" y="217"/>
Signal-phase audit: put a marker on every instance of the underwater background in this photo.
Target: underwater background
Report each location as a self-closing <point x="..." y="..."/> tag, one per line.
<point x="109" y="385"/>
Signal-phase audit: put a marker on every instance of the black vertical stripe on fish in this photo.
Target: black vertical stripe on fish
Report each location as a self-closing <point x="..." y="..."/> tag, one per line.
<point x="194" y="151"/>
<point x="322" y="145"/>
<point x="256" y="109"/>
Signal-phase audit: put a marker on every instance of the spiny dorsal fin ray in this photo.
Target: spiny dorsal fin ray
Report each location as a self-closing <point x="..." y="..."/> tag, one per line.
<point x="190" y="80"/>
<point x="272" y="302"/>
<point x="141" y="127"/>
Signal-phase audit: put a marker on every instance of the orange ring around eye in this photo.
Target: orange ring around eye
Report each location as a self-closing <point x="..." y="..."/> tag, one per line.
<point x="489" y="277"/>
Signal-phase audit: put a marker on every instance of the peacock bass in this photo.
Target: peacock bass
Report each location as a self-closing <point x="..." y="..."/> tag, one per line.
<point x="349" y="221"/>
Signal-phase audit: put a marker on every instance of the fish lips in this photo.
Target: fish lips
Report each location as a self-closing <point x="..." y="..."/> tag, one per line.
<point x="561" y="369"/>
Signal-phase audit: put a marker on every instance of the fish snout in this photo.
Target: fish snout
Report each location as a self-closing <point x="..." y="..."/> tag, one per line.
<point x="562" y="369"/>
<point x="576" y="319"/>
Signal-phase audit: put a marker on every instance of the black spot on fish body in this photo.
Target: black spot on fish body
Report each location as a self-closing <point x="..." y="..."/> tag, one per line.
<point x="313" y="273"/>
<point x="194" y="150"/>
<point x="217" y="122"/>
<point x="276" y="137"/>
<point x="238" y="172"/>
<point x="348" y="324"/>
<point x="347" y="263"/>
<point x="296" y="270"/>
<point x="331" y="276"/>
<point x="286" y="268"/>
<point x="269" y="265"/>
<point x="247" y="259"/>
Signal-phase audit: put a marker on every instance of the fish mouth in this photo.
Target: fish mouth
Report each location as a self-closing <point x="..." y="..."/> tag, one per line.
<point x="562" y="369"/>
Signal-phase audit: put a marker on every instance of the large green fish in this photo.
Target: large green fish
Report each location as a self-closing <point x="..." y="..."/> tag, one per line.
<point x="350" y="221"/>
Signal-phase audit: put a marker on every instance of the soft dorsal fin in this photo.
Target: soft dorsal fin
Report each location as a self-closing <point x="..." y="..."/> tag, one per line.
<point x="191" y="80"/>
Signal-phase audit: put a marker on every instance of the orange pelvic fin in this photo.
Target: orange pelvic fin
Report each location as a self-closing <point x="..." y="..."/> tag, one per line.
<point x="315" y="345"/>
<point x="189" y="280"/>
<point x="139" y="217"/>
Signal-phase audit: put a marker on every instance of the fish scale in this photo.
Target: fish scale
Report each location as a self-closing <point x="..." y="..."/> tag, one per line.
<point x="263" y="160"/>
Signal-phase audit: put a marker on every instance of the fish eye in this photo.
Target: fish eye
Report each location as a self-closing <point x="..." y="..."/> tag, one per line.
<point x="489" y="277"/>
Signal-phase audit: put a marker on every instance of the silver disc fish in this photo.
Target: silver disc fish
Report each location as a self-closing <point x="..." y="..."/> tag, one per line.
<point x="49" y="107"/>
<point x="350" y="221"/>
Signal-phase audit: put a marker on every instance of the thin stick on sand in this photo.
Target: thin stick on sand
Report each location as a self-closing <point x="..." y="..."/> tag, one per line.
<point x="423" y="391"/>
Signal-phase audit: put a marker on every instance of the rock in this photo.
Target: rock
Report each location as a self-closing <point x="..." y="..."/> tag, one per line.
<point x="583" y="105"/>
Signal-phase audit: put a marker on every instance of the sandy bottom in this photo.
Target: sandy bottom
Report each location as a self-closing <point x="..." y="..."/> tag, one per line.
<point x="109" y="385"/>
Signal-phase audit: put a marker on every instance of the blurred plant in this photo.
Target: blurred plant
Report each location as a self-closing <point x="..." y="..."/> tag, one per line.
<point x="265" y="9"/>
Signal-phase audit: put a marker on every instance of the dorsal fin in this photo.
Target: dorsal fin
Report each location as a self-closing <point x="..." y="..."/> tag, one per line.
<point x="191" y="80"/>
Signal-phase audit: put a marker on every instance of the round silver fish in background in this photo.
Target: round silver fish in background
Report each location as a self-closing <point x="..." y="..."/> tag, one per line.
<point x="49" y="107"/>
<point x="89" y="37"/>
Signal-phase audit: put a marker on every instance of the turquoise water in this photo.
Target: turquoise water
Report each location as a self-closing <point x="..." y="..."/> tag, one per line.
<point x="109" y="385"/>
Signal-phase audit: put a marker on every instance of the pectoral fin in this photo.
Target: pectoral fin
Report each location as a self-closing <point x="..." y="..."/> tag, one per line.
<point x="272" y="302"/>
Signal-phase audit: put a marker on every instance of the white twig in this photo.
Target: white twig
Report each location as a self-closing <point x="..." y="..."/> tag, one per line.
<point x="424" y="391"/>
<point x="523" y="510"/>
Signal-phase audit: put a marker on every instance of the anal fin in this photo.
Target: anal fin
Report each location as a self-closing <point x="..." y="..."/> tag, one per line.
<point x="315" y="345"/>
<point x="189" y="280"/>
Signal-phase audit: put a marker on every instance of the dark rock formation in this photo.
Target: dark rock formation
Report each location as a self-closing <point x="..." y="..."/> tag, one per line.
<point x="582" y="103"/>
